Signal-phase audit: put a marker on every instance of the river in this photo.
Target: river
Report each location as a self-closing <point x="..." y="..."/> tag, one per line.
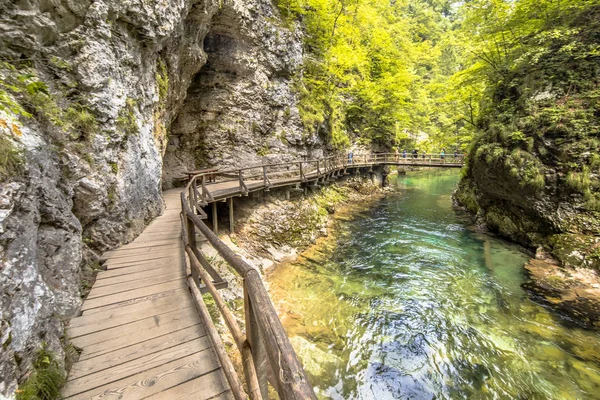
<point x="405" y="301"/>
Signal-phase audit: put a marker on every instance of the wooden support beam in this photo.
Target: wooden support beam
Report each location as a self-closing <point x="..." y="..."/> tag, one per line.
<point x="218" y="285"/>
<point x="231" y="221"/>
<point x="215" y="219"/>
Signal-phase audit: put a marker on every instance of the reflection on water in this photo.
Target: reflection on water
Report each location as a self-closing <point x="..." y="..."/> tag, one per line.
<point x="405" y="302"/>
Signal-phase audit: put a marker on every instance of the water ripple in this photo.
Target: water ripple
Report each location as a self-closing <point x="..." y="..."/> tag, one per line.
<point x="409" y="304"/>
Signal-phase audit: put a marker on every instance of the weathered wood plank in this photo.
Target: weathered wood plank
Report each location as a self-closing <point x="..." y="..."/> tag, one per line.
<point x="131" y="295"/>
<point x="153" y="381"/>
<point x="133" y="367"/>
<point x="128" y="338"/>
<point x="146" y="255"/>
<point x="113" y="264"/>
<point x="94" y="322"/>
<point x="148" y="247"/>
<point x="147" y="241"/>
<point x="86" y="366"/>
<point x="209" y="386"/>
<point x="165" y="273"/>
<point x="136" y="301"/>
<point x="144" y="327"/>
<point x="120" y="270"/>
<point x="128" y="286"/>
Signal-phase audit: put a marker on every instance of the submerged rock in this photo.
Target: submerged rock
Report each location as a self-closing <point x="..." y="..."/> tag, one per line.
<point x="574" y="293"/>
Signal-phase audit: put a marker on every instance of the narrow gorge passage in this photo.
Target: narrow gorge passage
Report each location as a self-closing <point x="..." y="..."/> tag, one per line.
<point x="407" y="302"/>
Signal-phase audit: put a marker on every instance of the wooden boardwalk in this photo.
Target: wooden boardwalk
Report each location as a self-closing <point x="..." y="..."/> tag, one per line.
<point x="140" y="332"/>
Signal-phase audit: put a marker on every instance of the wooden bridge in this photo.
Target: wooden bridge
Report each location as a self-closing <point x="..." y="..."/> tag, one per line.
<point x="145" y="330"/>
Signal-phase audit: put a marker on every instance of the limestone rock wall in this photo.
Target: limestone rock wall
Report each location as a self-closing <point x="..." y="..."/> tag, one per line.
<point x="103" y="81"/>
<point x="240" y="108"/>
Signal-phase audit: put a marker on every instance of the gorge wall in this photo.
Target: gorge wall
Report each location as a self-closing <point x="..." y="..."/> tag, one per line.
<point x="102" y="103"/>
<point x="533" y="174"/>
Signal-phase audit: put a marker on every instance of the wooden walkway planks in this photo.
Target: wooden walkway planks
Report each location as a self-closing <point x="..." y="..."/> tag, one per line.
<point x="140" y="332"/>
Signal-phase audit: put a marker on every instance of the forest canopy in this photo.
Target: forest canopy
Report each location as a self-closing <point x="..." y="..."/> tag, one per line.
<point x="414" y="73"/>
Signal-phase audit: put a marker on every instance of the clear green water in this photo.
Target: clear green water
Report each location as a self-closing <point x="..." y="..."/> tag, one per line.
<point x="406" y="302"/>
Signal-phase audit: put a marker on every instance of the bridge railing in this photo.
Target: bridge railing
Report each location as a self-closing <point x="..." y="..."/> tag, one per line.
<point x="269" y="175"/>
<point x="267" y="355"/>
<point x="266" y="352"/>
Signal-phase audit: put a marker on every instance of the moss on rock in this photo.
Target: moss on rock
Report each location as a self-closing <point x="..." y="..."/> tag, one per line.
<point x="533" y="173"/>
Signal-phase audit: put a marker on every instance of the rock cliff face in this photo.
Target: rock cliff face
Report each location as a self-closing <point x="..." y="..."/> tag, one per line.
<point x="534" y="173"/>
<point x="240" y="108"/>
<point x="103" y="81"/>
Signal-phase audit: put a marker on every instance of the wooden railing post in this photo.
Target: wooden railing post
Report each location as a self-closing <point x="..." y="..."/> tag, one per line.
<point x="301" y="171"/>
<point x="257" y="345"/>
<point x="203" y="194"/>
<point x="265" y="180"/>
<point x="191" y="237"/>
<point x="191" y="194"/>
<point x="243" y="188"/>
<point x="318" y="168"/>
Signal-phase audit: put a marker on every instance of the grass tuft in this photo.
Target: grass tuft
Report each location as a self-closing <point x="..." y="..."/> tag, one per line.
<point x="11" y="160"/>
<point x="45" y="380"/>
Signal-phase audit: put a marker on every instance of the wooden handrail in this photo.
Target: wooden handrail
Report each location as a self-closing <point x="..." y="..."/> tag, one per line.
<point x="267" y="354"/>
<point x="270" y="341"/>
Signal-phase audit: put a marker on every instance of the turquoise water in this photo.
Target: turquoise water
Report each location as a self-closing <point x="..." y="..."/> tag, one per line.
<point x="405" y="302"/>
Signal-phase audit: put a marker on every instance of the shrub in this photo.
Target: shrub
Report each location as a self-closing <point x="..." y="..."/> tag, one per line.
<point x="82" y="121"/>
<point x="45" y="380"/>
<point x="578" y="181"/>
<point x="126" y="121"/>
<point x="11" y="160"/>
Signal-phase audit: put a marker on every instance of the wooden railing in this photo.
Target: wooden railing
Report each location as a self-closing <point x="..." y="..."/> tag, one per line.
<point x="267" y="355"/>
<point x="266" y="352"/>
<point x="267" y="176"/>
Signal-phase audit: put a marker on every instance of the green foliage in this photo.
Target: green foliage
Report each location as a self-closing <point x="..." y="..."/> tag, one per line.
<point x="526" y="169"/>
<point x="8" y="85"/>
<point x="11" y="159"/>
<point x="127" y="121"/>
<point x="212" y="307"/>
<point x="60" y="64"/>
<point x="382" y="72"/>
<point x="35" y="100"/>
<point x="263" y="151"/>
<point x="578" y="181"/>
<point x="82" y="122"/>
<point x="328" y="198"/>
<point x="114" y="167"/>
<point x="162" y="79"/>
<point x="45" y="380"/>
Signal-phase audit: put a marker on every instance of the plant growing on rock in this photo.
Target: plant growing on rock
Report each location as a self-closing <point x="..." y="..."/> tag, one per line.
<point x="82" y="122"/>
<point x="162" y="79"/>
<point x="46" y="378"/>
<point x="11" y="159"/>
<point x="127" y="121"/>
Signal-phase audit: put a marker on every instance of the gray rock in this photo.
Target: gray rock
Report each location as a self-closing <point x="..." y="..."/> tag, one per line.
<point x="229" y="102"/>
